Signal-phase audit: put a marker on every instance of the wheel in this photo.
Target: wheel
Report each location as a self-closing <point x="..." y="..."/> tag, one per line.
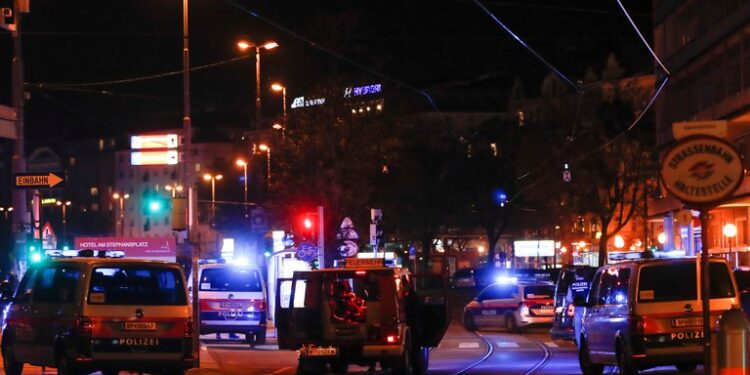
<point x="339" y="367"/>
<point x="307" y="366"/>
<point x="686" y="367"/>
<point x="625" y="362"/>
<point x="11" y="365"/>
<point x="510" y="324"/>
<point x="469" y="323"/>
<point x="64" y="367"/>
<point x="421" y="360"/>
<point x="260" y="337"/>
<point x="584" y="361"/>
<point x="403" y="365"/>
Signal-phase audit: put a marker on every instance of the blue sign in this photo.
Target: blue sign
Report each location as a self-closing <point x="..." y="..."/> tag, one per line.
<point x="307" y="251"/>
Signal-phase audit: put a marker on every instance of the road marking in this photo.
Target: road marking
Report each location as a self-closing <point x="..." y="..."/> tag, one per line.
<point x="551" y="344"/>
<point x="468" y="345"/>
<point x="507" y="344"/>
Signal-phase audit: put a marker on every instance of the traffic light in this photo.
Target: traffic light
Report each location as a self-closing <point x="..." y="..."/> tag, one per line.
<point x="306" y="226"/>
<point x="34" y="252"/>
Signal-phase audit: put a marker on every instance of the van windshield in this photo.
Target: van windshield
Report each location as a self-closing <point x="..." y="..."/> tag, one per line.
<point x="230" y="279"/>
<point x="677" y="282"/>
<point x="136" y="285"/>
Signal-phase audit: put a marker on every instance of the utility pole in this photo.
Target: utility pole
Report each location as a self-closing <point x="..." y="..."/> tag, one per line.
<point x="20" y="204"/>
<point x="188" y="179"/>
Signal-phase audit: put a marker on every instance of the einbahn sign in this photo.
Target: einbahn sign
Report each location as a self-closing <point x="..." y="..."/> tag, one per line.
<point x="702" y="170"/>
<point x="38" y="180"/>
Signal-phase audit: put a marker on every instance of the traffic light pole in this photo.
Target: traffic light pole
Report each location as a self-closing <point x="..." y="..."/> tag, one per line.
<point x="321" y="239"/>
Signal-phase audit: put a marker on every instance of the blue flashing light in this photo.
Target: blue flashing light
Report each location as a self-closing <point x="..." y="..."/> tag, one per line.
<point x="506" y="279"/>
<point x="66" y="248"/>
<point x="267" y="254"/>
<point x="500" y="196"/>
<point x="240" y="261"/>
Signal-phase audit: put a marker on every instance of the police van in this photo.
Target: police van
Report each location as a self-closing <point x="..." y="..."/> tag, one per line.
<point x="232" y="298"/>
<point x="364" y="313"/>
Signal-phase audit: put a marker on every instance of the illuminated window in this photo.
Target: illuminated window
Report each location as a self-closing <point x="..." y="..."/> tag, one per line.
<point x="94" y="191"/>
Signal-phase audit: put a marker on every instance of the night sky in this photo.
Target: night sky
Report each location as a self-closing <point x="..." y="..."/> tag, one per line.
<point x="432" y="45"/>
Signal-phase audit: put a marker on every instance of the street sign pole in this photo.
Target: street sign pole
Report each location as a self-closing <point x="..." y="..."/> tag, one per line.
<point x="705" y="293"/>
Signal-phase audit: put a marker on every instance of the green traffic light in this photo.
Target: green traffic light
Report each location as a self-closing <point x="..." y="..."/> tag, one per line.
<point x="36" y="258"/>
<point x="154" y="206"/>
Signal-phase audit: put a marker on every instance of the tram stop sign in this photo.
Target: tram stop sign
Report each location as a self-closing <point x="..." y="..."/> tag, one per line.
<point x="702" y="170"/>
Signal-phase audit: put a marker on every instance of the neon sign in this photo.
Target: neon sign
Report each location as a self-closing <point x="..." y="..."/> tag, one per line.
<point x="363" y="90"/>
<point x="301" y="102"/>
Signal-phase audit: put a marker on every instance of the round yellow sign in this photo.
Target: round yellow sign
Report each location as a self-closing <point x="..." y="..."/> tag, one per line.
<point x="701" y="170"/>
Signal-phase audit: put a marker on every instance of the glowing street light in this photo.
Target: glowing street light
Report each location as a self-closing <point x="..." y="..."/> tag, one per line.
<point x="264" y="147"/>
<point x="121" y="198"/>
<point x="730" y="230"/>
<point x="213" y="179"/>
<point x="619" y="242"/>
<point x="245" y="45"/>
<point x="243" y="164"/>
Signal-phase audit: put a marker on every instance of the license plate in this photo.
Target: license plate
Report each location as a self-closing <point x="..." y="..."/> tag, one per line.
<point x="689" y="335"/>
<point x="232" y="305"/>
<point x="320" y="352"/>
<point x="687" y="322"/>
<point x="139" y="326"/>
<point x="489" y="312"/>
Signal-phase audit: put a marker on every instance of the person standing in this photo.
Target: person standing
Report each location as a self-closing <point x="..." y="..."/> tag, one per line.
<point x="578" y="292"/>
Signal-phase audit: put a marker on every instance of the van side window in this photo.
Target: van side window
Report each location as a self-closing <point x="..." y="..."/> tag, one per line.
<point x="23" y="293"/>
<point x="56" y="284"/>
<point x="615" y="286"/>
<point x="595" y="287"/>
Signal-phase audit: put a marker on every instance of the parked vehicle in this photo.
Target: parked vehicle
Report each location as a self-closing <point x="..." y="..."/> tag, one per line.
<point x="233" y="300"/>
<point x="463" y="278"/>
<point x="86" y="314"/>
<point x="362" y="314"/>
<point x="514" y="305"/>
<point x="648" y="313"/>
<point x="562" y="325"/>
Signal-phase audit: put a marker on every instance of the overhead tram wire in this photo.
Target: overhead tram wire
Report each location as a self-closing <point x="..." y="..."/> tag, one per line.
<point x="135" y="79"/>
<point x="330" y="52"/>
<point x="579" y="89"/>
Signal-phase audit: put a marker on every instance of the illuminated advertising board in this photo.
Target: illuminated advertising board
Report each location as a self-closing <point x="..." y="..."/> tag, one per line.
<point x="157" y="141"/>
<point x="542" y="248"/>
<point x="165" y="157"/>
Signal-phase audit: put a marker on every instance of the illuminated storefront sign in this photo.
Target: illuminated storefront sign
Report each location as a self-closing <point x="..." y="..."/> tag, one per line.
<point x="301" y="102"/>
<point x="362" y="90"/>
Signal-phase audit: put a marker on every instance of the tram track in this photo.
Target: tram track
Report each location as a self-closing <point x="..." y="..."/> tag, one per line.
<point x="535" y="369"/>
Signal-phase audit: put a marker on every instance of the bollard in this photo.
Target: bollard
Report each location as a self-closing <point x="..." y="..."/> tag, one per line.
<point x="734" y="333"/>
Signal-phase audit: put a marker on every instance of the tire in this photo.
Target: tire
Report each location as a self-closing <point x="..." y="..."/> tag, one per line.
<point x="584" y="361"/>
<point x="10" y="364"/>
<point x="339" y="367"/>
<point x="260" y="337"/>
<point x="306" y="366"/>
<point x="421" y="360"/>
<point x="686" y="367"/>
<point x="624" y="362"/>
<point x="64" y="367"/>
<point x="469" y="322"/>
<point x="403" y="366"/>
<point x="510" y="324"/>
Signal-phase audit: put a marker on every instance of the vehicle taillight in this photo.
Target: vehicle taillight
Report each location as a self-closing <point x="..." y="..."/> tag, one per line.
<point x="85" y="326"/>
<point x="571" y="310"/>
<point x="391" y="339"/>
<point x="189" y="328"/>
<point x="523" y="308"/>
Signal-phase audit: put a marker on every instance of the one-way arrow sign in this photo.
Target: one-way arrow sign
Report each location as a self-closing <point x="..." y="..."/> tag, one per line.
<point x="38" y="180"/>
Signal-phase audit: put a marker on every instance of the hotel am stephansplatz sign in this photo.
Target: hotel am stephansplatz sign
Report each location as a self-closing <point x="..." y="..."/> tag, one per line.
<point x="702" y="170"/>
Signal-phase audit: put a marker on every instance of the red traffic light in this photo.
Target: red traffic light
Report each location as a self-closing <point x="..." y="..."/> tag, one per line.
<point x="307" y="223"/>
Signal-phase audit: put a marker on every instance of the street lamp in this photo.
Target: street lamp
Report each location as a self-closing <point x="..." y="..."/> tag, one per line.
<point x="264" y="147"/>
<point x="174" y="189"/>
<point x="244" y="45"/>
<point x="64" y="206"/>
<point x="121" y="198"/>
<point x="730" y="230"/>
<point x="6" y="211"/>
<point x="243" y="164"/>
<point x="278" y="87"/>
<point x="213" y="178"/>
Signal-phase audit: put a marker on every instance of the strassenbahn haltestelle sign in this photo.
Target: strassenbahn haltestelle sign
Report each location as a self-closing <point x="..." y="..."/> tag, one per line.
<point x="701" y="170"/>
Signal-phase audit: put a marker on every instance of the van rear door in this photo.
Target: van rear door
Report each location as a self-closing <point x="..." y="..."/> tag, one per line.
<point x="282" y="311"/>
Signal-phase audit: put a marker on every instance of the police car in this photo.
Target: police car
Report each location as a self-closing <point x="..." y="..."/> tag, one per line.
<point x="364" y="314"/>
<point x="512" y="304"/>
